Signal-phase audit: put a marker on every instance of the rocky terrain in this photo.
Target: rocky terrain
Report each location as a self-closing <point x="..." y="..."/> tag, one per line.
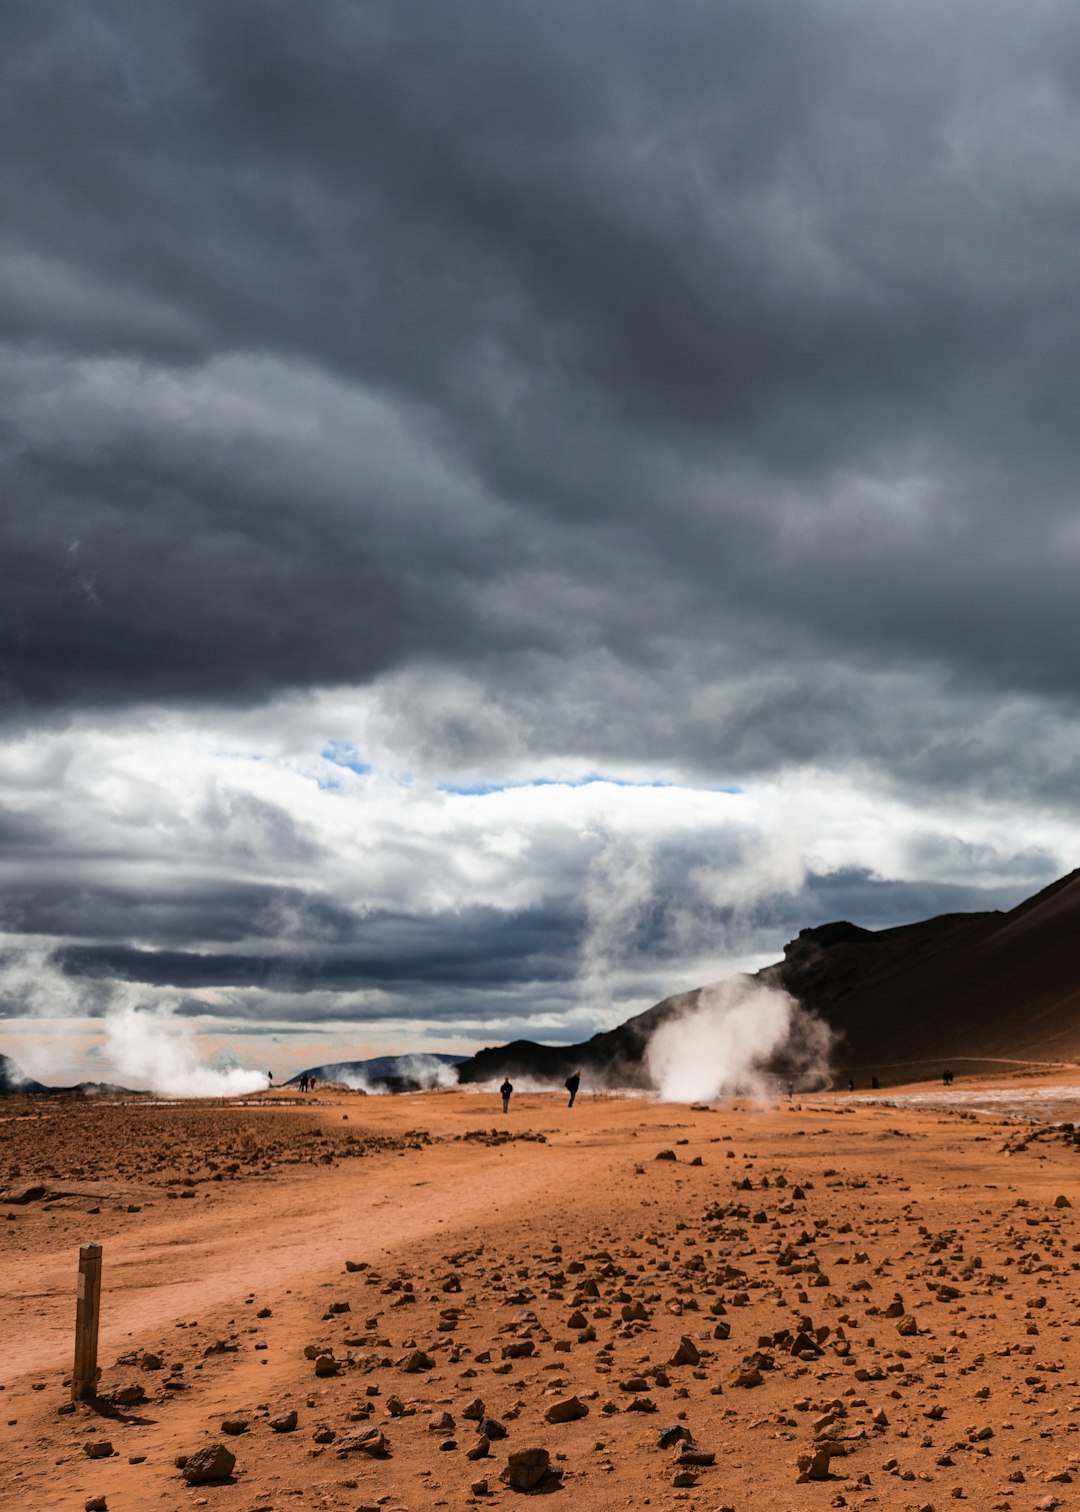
<point x="817" y="1303"/>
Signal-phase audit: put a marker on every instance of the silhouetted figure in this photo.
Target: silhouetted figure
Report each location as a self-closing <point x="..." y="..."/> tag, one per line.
<point x="947" y="1078"/>
<point x="874" y="1084"/>
<point x="505" y="1091"/>
<point x="850" y="1084"/>
<point x="790" y="1090"/>
<point x="572" y="1083"/>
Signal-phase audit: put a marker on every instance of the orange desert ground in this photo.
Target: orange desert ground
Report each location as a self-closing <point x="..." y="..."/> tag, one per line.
<point x="415" y="1302"/>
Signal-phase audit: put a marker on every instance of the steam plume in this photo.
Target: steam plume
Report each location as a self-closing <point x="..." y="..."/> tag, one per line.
<point x="152" y="1049"/>
<point x="725" y="1044"/>
<point x="146" y="1048"/>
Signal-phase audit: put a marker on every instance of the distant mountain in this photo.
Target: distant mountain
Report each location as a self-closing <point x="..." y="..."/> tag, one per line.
<point x="392" y="1073"/>
<point x="982" y="990"/>
<point x="978" y="991"/>
<point x="12" y="1079"/>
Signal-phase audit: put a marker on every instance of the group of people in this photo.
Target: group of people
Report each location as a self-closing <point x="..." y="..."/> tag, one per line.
<point x="306" y="1083"/>
<point x="572" y="1083"/>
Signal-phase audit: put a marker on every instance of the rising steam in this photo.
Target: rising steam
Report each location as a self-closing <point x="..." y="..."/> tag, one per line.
<point x="152" y="1049"/>
<point x="149" y="1049"/>
<point x="425" y="1071"/>
<point x="739" y="1038"/>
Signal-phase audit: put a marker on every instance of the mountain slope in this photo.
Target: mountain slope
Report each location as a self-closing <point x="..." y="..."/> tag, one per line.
<point x="961" y="989"/>
<point x="12" y="1079"/>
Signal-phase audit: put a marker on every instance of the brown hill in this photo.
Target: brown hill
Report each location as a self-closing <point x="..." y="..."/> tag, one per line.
<point x="975" y="991"/>
<point x="959" y="989"/>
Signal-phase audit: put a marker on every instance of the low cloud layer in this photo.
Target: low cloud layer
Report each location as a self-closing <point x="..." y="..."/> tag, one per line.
<point x="413" y="414"/>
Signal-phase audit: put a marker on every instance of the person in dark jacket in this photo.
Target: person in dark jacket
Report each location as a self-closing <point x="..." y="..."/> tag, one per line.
<point x="572" y="1083"/>
<point x="505" y="1091"/>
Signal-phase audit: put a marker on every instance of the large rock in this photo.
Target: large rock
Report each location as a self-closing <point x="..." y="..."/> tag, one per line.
<point x="19" y="1196"/>
<point x="416" y="1362"/>
<point x="212" y="1463"/>
<point x="566" y="1411"/>
<point x="526" y="1468"/>
<point x="367" y="1441"/>
<point x="687" y="1353"/>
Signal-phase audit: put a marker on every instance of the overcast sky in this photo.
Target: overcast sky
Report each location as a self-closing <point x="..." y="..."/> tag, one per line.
<point x="512" y="510"/>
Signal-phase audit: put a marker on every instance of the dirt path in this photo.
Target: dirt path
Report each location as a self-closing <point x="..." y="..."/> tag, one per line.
<point x="567" y="1271"/>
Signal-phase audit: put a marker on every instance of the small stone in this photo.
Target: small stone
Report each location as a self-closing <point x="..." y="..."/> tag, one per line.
<point x="286" y="1423"/>
<point x="98" y="1449"/>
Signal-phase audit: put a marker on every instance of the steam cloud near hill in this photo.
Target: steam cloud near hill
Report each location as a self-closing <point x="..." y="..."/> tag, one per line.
<point x="146" y="1049"/>
<point x="723" y="1045"/>
<point x="428" y="1073"/>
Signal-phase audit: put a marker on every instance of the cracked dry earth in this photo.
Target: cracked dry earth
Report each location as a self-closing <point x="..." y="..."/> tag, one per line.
<point x="385" y="1303"/>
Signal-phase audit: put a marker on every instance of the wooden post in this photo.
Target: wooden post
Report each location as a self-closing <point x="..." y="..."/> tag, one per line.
<point x="84" y="1377"/>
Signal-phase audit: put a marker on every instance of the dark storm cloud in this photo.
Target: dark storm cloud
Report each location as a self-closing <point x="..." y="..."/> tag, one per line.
<point x="490" y="952"/>
<point x="210" y="913"/>
<point x="682" y="388"/>
<point x="480" y="947"/>
<point x="746" y="327"/>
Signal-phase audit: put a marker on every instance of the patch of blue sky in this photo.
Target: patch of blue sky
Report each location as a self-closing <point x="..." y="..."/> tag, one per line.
<point x="342" y="754"/>
<point x="483" y="789"/>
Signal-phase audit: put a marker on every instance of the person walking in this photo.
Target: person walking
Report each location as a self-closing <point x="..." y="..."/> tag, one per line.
<point x="572" y="1083"/>
<point x="505" y="1091"/>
